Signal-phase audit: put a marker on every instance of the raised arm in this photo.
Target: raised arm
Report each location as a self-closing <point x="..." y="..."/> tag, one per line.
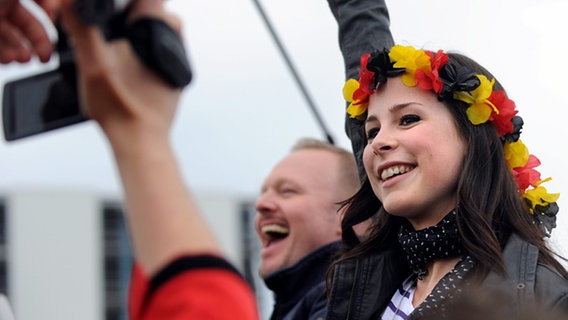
<point x="363" y="26"/>
<point x="135" y="109"/>
<point x="180" y="273"/>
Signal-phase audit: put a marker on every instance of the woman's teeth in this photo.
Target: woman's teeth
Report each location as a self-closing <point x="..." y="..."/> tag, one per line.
<point x="394" y="170"/>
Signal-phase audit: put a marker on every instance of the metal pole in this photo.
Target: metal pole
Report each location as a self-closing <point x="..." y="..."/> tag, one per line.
<point x="295" y="74"/>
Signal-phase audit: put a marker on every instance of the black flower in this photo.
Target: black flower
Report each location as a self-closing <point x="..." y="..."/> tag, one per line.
<point x="457" y="78"/>
<point x="380" y="64"/>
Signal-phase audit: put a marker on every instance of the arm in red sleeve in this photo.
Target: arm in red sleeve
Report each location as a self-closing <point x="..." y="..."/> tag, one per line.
<point x="192" y="287"/>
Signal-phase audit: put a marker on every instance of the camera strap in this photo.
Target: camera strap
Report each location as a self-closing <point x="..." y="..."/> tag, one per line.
<point x="160" y="48"/>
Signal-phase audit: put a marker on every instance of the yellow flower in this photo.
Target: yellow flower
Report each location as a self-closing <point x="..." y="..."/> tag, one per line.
<point x="356" y="107"/>
<point x="516" y="154"/>
<point x="480" y="107"/>
<point x="411" y="59"/>
<point x="349" y="88"/>
<point x="540" y="196"/>
<point x="356" y="110"/>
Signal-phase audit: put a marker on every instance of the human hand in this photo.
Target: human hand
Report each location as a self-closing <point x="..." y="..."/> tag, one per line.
<point x="135" y="107"/>
<point x="128" y="100"/>
<point x="21" y="33"/>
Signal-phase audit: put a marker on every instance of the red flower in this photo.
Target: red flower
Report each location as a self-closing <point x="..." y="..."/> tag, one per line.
<point x="365" y="76"/>
<point x="439" y="61"/>
<point x="527" y="176"/>
<point x="506" y="107"/>
<point x="431" y="80"/>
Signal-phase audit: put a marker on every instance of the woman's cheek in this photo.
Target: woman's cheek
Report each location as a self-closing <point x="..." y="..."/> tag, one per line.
<point x="368" y="158"/>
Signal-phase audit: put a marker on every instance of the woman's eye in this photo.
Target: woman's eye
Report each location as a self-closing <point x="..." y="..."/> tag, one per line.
<point x="409" y="119"/>
<point x="372" y="133"/>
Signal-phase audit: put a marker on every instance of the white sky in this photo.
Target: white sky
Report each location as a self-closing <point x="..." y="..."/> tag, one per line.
<point x="243" y="111"/>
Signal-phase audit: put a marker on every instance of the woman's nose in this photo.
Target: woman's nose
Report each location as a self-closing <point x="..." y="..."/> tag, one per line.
<point x="383" y="142"/>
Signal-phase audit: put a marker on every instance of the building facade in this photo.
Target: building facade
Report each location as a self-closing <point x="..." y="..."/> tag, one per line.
<point x="66" y="254"/>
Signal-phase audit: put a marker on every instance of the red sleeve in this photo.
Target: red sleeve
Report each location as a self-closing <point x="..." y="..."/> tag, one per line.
<point x="195" y="287"/>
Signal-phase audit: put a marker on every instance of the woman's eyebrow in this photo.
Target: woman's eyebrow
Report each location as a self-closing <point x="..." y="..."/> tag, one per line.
<point x="400" y="106"/>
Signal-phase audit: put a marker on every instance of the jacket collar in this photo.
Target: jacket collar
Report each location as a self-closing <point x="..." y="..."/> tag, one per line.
<point x="361" y="278"/>
<point x="291" y="284"/>
<point x="521" y="259"/>
<point x="364" y="286"/>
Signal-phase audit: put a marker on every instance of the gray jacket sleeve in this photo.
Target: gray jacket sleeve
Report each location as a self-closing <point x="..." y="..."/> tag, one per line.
<point x="363" y="26"/>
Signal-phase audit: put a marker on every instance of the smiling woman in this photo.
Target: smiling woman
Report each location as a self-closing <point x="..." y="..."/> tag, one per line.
<point x="408" y="136"/>
<point x="468" y="208"/>
<point x="83" y="160"/>
<point x="47" y="162"/>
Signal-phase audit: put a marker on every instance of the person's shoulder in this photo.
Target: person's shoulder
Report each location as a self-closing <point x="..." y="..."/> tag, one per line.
<point x="313" y="305"/>
<point x="549" y="279"/>
<point x="192" y="287"/>
<point x="551" y="288"/>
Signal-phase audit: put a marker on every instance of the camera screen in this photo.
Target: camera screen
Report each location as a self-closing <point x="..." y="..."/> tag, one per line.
<point x="38" y="104"/>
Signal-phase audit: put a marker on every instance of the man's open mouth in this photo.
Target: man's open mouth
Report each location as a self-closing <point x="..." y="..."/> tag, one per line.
<point x="274" y="232"/>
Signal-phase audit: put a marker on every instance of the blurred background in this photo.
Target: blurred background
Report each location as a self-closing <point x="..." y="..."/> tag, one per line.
<point x="65" y="254"/>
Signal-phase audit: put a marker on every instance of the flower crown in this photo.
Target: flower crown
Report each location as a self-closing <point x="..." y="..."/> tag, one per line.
<point x="431" y="71"/>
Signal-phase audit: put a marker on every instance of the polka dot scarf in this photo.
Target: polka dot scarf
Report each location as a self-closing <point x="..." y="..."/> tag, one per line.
<point x="425" y="246"/>
<point x="445" y="292"/>
<point x="433" y="243"/>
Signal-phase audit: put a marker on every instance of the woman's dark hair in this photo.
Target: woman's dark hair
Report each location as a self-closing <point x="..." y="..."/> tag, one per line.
<point x="489" y="207"/>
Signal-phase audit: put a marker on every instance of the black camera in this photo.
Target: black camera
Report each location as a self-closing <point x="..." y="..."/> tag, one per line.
<point x="100" y="12"/>
<point x="50" y="100"/>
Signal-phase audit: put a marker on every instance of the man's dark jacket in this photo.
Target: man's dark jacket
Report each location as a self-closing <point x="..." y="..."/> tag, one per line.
<point x="300" y="290"/>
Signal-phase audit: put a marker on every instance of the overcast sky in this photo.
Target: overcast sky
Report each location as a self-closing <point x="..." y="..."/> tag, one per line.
<point x="243" y="110"/>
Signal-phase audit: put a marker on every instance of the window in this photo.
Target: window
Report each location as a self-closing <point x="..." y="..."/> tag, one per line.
<point x="3" y="250"/>
<point x="251" y="260"/>
<point x="117" y="262"/>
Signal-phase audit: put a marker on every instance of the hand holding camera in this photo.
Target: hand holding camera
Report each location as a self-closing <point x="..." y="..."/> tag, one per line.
<point x="55" y="99"/>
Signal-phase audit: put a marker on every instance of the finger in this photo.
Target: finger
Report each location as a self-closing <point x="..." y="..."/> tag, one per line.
<point x="12" y="44"/>
<point x="8" y="55"/>
<point x="33" y="31"/>
<point x="88" y="42"/>
<point x="173" y="21"/>
<point x="51" y="7"/>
